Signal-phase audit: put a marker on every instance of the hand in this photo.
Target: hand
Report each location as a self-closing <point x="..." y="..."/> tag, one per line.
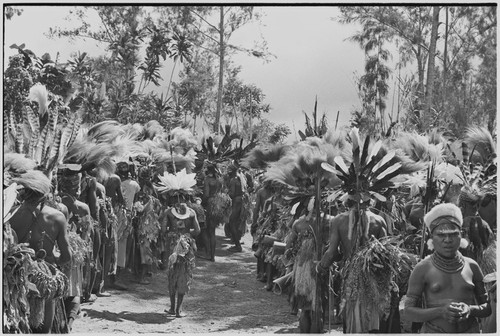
<point x="456" y="312"/>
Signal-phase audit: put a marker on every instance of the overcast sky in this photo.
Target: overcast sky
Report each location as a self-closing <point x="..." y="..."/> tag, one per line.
<point x="313" y="57"/>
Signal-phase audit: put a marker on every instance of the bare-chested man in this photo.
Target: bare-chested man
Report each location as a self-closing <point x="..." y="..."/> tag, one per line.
<point x="41" y="226"/>
<point x="340" y="243"/>
<point x="114" y="191"/>
<point x="343" y="244"/>
<point x="449" y="285"/>
<point x="80" y="221"/>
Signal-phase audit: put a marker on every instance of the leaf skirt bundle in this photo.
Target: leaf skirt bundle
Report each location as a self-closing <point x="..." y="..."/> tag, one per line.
<point x="370" y="279"/>
<point x="17" y="261"/>
<point x="219" y="208"/>
<point x="303" y="279"/>
<point x="50" y="284"/>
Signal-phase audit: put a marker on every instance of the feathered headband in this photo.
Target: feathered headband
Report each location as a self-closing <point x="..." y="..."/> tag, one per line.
<point x="180" y="183"/>
<point x="368" y="175"/>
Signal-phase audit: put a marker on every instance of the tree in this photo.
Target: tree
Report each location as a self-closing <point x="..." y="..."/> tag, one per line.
<point x="460" y="83"/>
<point x="10" y="11"/>
<point x="246" y="100"/>
<point x="197" y="82"/>
<point x="280" y="133"/>
<point x="214" y="27"/>
<point x="430" y="68"/>
<point x="407" y="27"/>
<point x="124" y="30"/>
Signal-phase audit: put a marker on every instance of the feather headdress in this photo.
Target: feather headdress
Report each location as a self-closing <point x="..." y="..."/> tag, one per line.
<point x="45" y="143"/>
<point x="105" y="131"/>
<point x="479" y="168"/>
<point x="480" y="139"/>
<point x="38" y="93"/>
<point x="175" y="184"/>
<point x="260" y="157"/>
<point x="34" y="180"/>
<point x="419" y="147"/>
<point x="219" y="151"/>
<point x="183" y="138"/>
<point x="368" y="175"/>
<point x="18" y="163"/>
<point x="299" y="170"/>
<point x="153" y="129"/>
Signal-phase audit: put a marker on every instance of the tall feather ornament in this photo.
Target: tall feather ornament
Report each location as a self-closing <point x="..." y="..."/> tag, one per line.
<point x="482" y="140"/>
<point x="39" y="94"/>
<point x="367" y="176"/>
<point x="260" y="157"/>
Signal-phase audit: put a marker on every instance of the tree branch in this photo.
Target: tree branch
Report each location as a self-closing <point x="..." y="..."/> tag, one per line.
<point x="201" y="17"/>
<point x="205" y="34"/>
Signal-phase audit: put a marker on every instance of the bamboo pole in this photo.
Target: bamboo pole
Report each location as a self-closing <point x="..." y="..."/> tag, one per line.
<point x="316" y="313"/>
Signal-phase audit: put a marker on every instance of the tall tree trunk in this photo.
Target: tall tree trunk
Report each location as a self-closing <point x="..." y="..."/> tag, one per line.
<point x="171" y="75"/>
<point x="221" y="71"/>
<point x="445" y="63"/>
<point x="430" y="68"/>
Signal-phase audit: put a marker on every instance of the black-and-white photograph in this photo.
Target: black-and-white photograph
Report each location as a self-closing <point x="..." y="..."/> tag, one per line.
<point x="249" y="168"/>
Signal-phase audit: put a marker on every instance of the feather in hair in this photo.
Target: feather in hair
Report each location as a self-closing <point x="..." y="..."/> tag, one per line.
<point x="418" y="148"/>
<point x="133" y="131"/>
<point x="77" y="152"/>
<point x="436" y="138"/>
<point x="172" y="182"/>
<point x="261" y="157"/>
<point x="481" y="139"/>
<point x="19" y="138"/>
<point x="39" y="94"/>
<point x="100" y="157"/>
<point x="105" y="131"/>
<point x="35" y="180"/>
<point x="41" y="145"/>
<point x="18" y="162"/>
<point x="32" y="120"/>
<point x="153" y="129"/>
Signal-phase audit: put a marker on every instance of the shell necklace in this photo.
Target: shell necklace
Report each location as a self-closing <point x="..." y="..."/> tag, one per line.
<point x="452" y="265"/>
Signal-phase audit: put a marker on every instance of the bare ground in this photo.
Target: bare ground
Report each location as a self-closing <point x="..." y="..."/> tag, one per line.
<point x="225" y="297"/>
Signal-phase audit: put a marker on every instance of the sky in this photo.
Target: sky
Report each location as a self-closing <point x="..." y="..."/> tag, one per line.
<point x="313" y="57"/>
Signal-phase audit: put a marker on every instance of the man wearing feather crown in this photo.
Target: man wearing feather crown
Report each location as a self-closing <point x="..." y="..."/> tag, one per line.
<point x="41" y="226"/>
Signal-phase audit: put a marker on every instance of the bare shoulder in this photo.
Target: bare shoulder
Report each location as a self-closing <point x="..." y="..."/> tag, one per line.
<point x="423" y="266"/>
<point x="113" y="180"/>
<point x="53" y="215"/>
<point x="50" y="211"/>
<point x="83" y="208"/>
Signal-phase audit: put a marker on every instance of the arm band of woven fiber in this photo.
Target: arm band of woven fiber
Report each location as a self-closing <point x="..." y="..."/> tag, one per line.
<point x="412" y="301"/>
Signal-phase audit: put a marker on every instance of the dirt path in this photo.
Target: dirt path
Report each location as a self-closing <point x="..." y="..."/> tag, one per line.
<point x="224" y="297"/>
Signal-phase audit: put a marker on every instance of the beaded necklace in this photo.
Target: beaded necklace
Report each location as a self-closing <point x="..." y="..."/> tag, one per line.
<point x="452" y="265"/>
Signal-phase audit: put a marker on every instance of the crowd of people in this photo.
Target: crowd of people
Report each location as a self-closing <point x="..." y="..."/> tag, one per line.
<point x="355" y="259"/>
<point x="113" y="206"/>
<point x="337" y="225"/>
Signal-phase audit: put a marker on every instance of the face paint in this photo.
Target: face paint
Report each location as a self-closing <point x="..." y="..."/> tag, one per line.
<point x="446" y="239"/>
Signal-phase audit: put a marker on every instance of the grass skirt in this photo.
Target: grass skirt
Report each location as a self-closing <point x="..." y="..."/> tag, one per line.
<point x="181" y="264"/>
<point x="304" y="281"/>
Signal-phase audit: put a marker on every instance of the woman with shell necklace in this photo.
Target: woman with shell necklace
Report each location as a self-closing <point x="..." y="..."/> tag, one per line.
<point x="181" y="226"/>
<point x="446" y="290"/>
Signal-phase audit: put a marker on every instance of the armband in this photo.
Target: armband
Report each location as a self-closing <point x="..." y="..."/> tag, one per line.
<point x="412" y="301"/>
<point x="482" y="298"/>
